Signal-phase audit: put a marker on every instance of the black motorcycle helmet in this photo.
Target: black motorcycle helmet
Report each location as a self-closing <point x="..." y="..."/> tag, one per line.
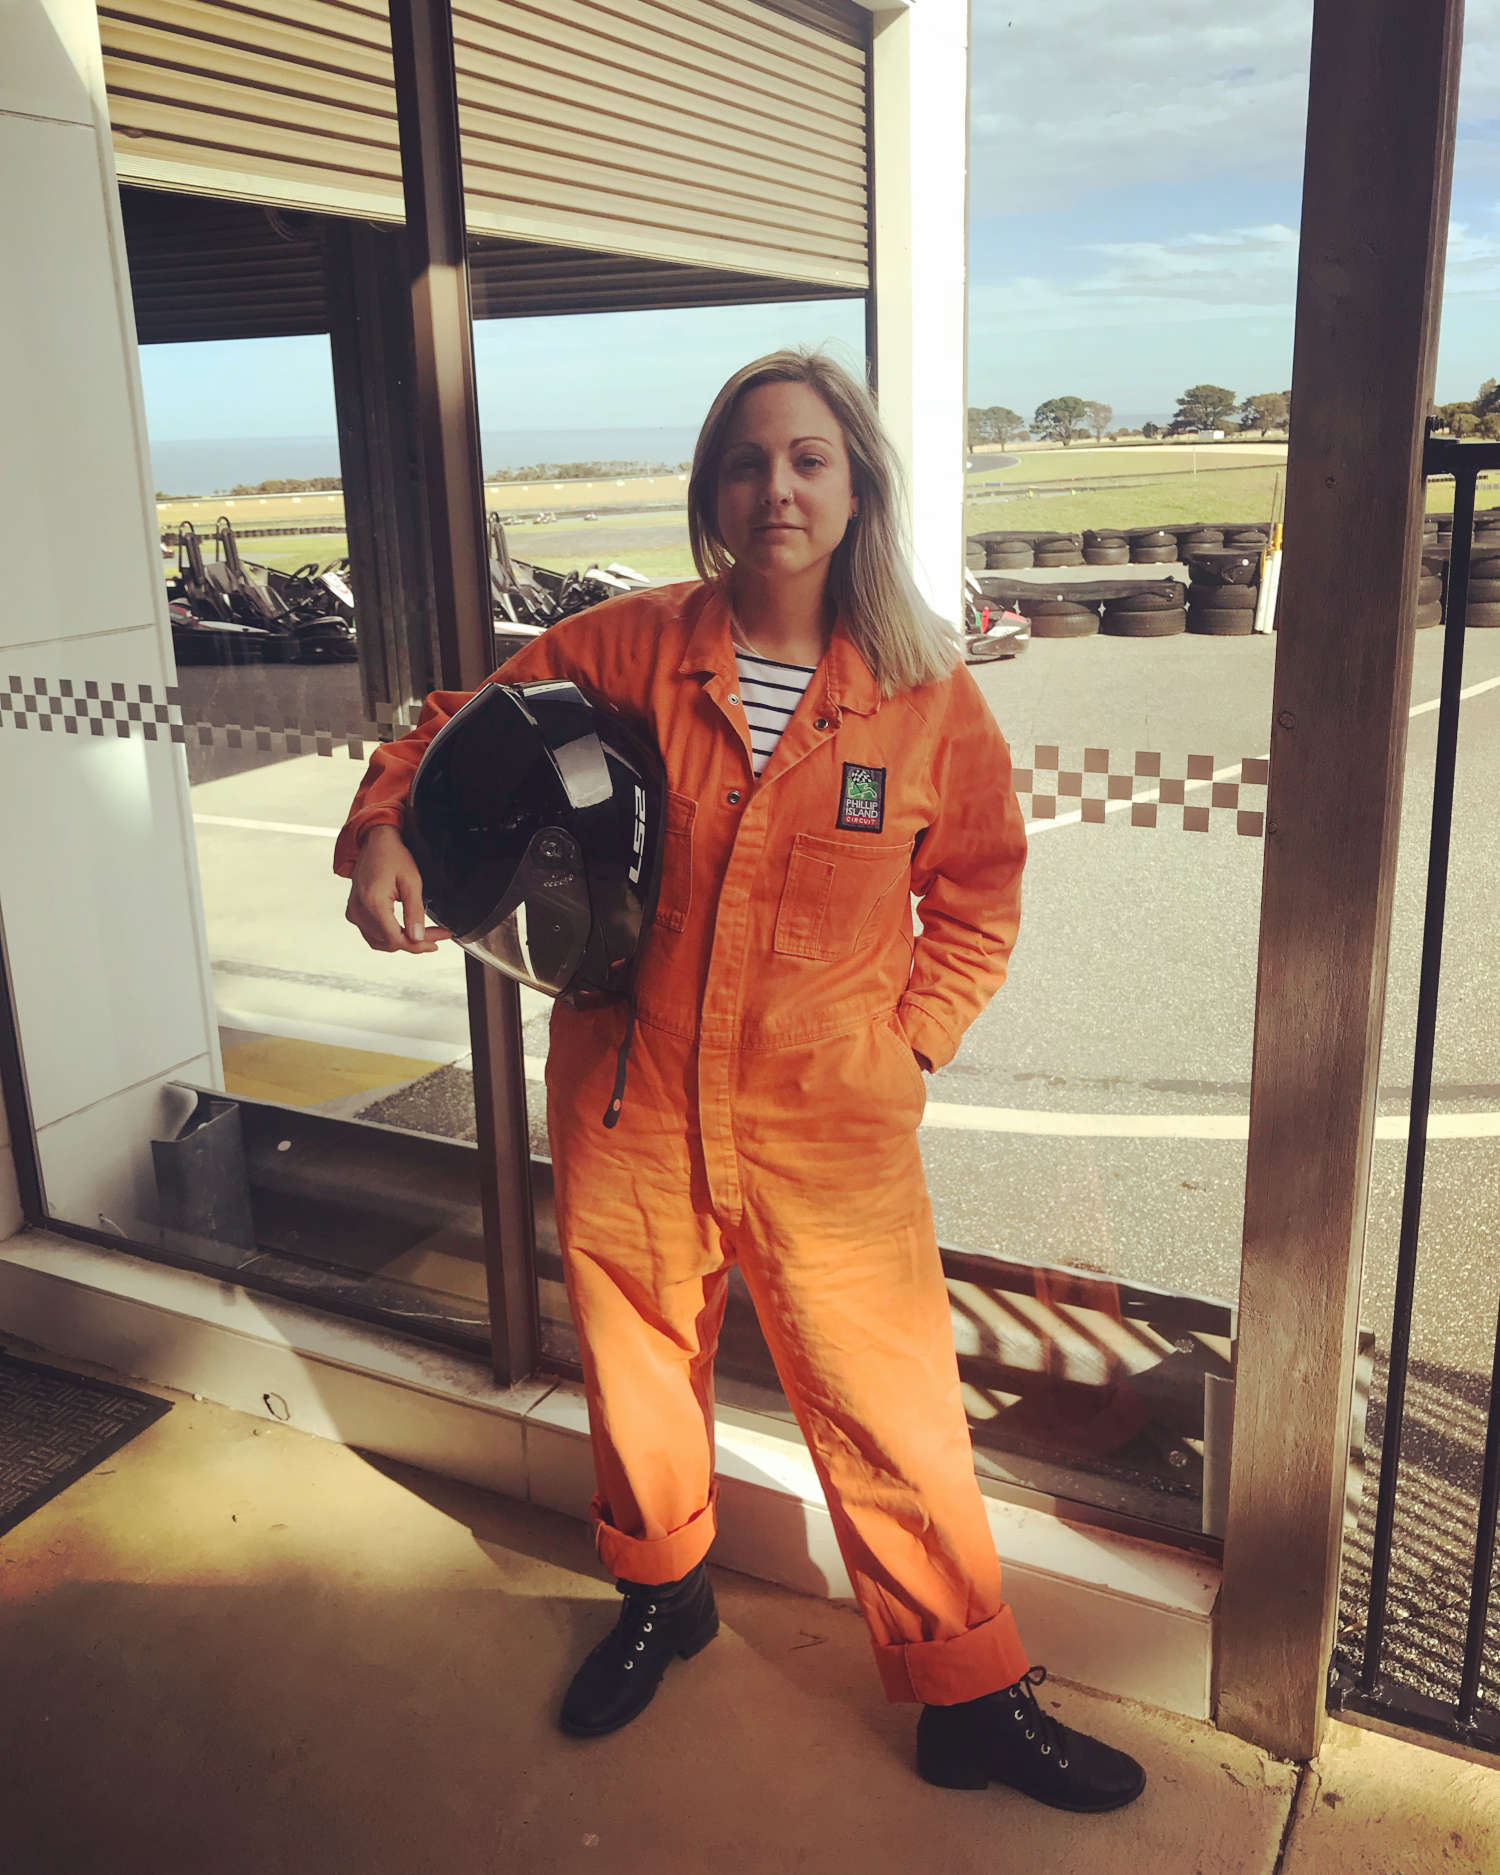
<point x="537" y="819"/>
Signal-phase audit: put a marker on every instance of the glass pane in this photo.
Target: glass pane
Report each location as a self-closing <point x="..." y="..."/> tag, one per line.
<point x="313" y="1026"/>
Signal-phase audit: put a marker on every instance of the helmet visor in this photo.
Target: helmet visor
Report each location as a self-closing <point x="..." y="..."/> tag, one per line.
<point x="539" y="931"/>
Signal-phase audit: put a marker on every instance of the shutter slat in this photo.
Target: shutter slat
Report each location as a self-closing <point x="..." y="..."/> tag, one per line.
<point x="710" y="133"/>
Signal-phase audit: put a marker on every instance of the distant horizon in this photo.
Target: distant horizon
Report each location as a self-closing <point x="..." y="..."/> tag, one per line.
<point x="212" y="465"/>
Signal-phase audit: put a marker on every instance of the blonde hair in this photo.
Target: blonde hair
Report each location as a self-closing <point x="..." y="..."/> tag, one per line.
<point x="905" y="643"/>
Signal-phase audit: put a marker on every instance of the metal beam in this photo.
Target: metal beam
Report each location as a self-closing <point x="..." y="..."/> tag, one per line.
<point x="1381" y="113"/>
<point x="432" y="183"/>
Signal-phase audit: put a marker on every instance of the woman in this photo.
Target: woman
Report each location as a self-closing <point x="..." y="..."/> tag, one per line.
<point x="828" y="757"/>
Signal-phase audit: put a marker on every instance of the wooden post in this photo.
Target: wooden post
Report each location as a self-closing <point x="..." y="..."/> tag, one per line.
<point x="1381" y="113"/>
<point x="448" y="412"/>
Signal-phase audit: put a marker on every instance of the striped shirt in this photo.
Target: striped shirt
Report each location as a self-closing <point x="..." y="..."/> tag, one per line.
<point x="770" y="693"/>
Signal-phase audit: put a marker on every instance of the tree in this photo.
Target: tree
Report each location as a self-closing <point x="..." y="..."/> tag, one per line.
<point x="1487" y="403"/>
<point x="1203" y="407"/>
<point x="996" y="424"/>
<point x="1447" y="416"/>
<point x="1489" y="426"/>
<point x="1060" y="419"/>
<point x="1267" y="410"/>
<point x="1150" y="429"/>
<point x="1098" y="416"/>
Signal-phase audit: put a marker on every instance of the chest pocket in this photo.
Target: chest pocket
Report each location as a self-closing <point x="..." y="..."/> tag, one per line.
<point x="835" y="894"/>
<point x="675" y="899"/>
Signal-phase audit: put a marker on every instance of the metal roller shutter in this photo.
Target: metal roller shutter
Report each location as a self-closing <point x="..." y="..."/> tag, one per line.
<point x="722" y="133"/>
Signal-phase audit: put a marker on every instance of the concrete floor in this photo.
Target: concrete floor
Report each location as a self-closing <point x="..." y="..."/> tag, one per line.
<point x="235" y="1649"/>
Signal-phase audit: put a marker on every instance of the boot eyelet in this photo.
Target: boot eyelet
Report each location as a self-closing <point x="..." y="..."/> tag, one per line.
<point x="640" y="1647"/>
<point x="1030" y="1733"/>
<point x="629" y="1664"/>
<point x="1062" y="1764"/>
<point x="1019" y="1714"/>
<point x="645" y="1627"/>
<point x="650" y="1608"/>
<point x="1046" y="1751"/>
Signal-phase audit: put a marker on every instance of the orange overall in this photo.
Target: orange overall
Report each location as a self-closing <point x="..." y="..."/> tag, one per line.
<point x="772" y="1110"/>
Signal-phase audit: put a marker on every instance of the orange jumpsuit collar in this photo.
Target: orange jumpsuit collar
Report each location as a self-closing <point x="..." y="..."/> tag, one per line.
<point x="848" y="682"/>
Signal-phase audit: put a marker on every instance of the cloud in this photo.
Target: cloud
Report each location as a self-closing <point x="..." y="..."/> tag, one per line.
<point x="1229" y="274"/>
<point x="1078" y="96"/>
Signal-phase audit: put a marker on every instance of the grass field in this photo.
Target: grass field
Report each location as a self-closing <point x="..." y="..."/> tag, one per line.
<point x="1214" y="495"/>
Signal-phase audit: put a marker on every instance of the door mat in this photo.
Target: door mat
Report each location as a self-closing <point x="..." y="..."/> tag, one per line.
<point x="55" y="1427"/>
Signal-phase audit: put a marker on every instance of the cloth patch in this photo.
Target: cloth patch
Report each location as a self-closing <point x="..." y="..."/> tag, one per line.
<point x="862" y="807"/>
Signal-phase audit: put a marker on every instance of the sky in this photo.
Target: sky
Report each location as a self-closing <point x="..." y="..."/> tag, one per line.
<point x="1133" y="233"/>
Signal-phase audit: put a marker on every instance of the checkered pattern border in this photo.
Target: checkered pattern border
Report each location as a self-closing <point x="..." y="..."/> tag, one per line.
<point x="53" y="706"/>
<point x="1101" y="787"/>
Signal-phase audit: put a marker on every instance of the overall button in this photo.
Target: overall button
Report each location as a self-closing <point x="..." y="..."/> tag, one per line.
<point x="733" y="797"/>
<point x="733" y="698"/>
<point x="821" y="723"/>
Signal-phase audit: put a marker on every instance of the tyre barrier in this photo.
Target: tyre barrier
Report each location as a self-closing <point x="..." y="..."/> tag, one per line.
<point x="1057" y="614"/>
<point x="1059" y="550"/>
<point x="1217" y="621"/>
<point x="1006" y="555"/>
<point x="1226" y="567"/>
<point x="1483" y="617"/>
<point x="1152" y="546"/>
<point x="1150" y="613"/>
<point x="1430" y="589"/>
<point x="1245" y="538"/>
<point x="1484" y="592"/>
<point x="1105" y="547"/>
<point x="1429" y="615"/>
<point x="1199" y="539"/>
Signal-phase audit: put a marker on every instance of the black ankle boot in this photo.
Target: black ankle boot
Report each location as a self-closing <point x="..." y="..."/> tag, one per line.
<point x="659" y="1622"/>
<point x="1007" y="1738"/>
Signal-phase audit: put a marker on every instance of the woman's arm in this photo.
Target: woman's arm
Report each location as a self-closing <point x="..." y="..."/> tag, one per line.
<point x="967" y="878"/>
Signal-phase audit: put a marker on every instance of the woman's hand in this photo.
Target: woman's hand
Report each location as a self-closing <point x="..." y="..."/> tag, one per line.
<point x="384" y="873"/>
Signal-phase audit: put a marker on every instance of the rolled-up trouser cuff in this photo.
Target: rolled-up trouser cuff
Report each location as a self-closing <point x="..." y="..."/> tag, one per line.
<point x="965" y="1666"/>
<point x="655" y="1559"/>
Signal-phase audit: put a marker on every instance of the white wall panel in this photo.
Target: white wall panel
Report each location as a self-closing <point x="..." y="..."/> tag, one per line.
<point x="10" y="1194"/>
<point x="919" y="87"/>
<point x="96" y="1165"/>
<point x="72" y="524"/>
<point x="46" y="62"/>
<point x="98" y="904"/>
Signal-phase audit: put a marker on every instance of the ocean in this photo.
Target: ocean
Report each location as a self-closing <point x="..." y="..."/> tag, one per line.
<point x="214" y="465"/>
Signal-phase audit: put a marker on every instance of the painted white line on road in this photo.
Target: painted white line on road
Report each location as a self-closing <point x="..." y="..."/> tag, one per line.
<point x="1232" y="770"/>
<point x="335" y="1035"/>
<point x="265" y="826"/>
<point x="1474" y="690"/>
<point x="1028" y="1120"/>
<point x="940" y="1114"/>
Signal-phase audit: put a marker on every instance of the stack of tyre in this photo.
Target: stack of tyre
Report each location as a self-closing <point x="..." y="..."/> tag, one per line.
<point x="1222" y="590"/>
<point x="1152" y="546"/>
<point x="1200" y="537"/>
<point x="1004" y="553"/>
<point x="1484" y="571"/>
<point x="1106" y="546"/>
<point x="1151" y="609"/>
<point x="1058" y="550"/>
<point x="1431" y="597"/>
<point x="1055" y="612"/>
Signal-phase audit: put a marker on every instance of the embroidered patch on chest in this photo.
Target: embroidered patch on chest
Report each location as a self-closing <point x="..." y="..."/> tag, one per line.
<point x="862" y="805"/>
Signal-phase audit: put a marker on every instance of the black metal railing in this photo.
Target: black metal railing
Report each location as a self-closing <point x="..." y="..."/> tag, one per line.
<point x="1361" y="1680"/>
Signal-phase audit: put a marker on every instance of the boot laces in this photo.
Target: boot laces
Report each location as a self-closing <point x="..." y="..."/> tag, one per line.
<point x="637" y="1619"/>
<point x="1050" y="1734"/>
